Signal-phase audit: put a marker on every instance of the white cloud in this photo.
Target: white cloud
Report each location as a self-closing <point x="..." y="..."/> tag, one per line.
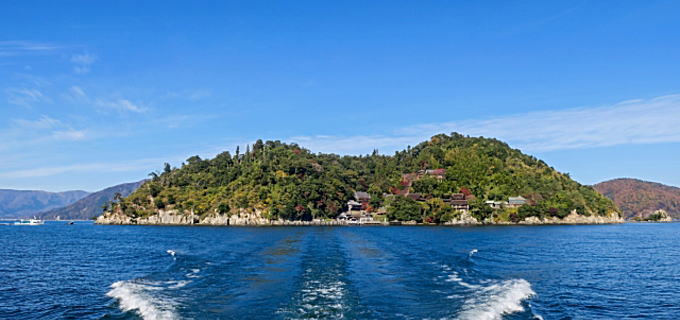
<point x="24" y="97"/>
<point x="98" y="167"/>
<point x="70" y="135"/>
<point x="122" y="105"/>
<point x="77" y="92"/>
<point x="82" y="62"/>
<point x="44" y="122"/>
<point x="630" y="122"/>
<point x="15" y="48"/>
<point x="26" y="132"/>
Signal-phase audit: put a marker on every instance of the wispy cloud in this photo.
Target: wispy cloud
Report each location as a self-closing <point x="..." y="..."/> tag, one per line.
<point x="22" y="47"/>
<point x="44" y="129"/>
<point x="77" y="92"/>
<point x="69" y="135"/>
<point x="641" y="121"/>
<point x="82" y="62"/>
<point x="175" y="121"/>
<point x="126" y="166"/>
<point x="43" y="122"/>
<point x="24" y="97"/>
<point x="193" y="94"/>
<point x="121" y="105"/>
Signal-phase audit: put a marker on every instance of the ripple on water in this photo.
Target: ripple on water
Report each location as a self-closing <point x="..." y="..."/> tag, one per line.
<point x="580" y="272"/>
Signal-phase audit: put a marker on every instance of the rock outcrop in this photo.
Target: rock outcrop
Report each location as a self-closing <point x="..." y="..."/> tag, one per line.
<point x="256" y="218"/>
<point x="659" y="216"/>
<point x="575" y="218"/>
<point x="174" y="217"/>
<point x="464" y="219"/>
<point x="663" y="216"/>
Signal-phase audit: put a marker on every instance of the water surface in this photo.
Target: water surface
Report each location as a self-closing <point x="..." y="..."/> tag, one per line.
<point x="86" y="271"/>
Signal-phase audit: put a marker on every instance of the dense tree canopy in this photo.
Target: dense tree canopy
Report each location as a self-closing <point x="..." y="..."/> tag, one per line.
<point x="289" y="182"/>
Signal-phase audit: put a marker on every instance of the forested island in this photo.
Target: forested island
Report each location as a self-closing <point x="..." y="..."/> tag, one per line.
<point x="450" y="179"/>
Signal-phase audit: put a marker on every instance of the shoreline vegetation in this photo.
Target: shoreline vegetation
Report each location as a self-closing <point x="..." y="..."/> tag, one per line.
<point x="448" y="180"/>
<point x="173" y="220"/>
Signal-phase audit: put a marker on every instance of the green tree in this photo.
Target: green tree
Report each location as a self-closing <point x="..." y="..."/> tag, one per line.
<point x="404" y="209"/>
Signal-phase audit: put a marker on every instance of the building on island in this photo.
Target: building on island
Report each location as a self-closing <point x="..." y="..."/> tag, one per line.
<point x="358" y="209"/>
<point x="496" y="204"/>
<point x="459" y="202"/>
<point x="353" y="206"/>
<point x="440" y="174"/>
<point x="408" y="178"/>
<point x="515" y="202"/>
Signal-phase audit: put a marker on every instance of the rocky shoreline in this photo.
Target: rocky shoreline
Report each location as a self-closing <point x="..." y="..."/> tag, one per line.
<point x="245" y="218"/>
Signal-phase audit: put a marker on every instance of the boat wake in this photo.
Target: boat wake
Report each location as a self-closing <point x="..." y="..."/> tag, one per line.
<point x="491" y="299"/>
<point x="145" y="298"/>
<point x="151" y="296"/>
<point x="321" y="297"/>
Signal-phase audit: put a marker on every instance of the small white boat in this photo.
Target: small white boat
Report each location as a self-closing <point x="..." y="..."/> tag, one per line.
<point x="29" y="222"/>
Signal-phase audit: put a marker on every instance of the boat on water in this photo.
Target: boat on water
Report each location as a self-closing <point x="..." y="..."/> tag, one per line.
<point x="29" y="222"/>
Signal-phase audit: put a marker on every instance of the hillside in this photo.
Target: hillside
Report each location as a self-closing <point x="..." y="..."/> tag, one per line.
<point x="26" y="203"/>
<point x="287" y="182"/>
<point x="637" y="198"/>
<point x="91" y="205"/>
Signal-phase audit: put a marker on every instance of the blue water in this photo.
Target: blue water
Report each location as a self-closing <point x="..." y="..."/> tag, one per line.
<point x="86" y="271"/>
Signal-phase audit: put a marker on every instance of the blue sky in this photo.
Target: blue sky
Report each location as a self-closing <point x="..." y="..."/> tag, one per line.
<point x="97" y="93"/>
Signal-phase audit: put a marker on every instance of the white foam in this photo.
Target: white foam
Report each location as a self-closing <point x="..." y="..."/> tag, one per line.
<point x="193" y="273"/>
<point x="171" y="252"/>
<point x="316" y="290"/>
<point x="490" y="299"/>
<point x="177" y="284"/>
<point x="453" y="276"/>
<point x="498" y="299"/>
<point x="138" y="297"/>
<point x="320" y="299"/>
<point x="472" y="252"/>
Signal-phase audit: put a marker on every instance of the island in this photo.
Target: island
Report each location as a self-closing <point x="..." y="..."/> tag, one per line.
<point x="447" y="180"/>
<point x="658" y="216"/>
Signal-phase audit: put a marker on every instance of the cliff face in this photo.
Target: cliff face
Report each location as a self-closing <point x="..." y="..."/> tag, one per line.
<point x="637" y="198"/>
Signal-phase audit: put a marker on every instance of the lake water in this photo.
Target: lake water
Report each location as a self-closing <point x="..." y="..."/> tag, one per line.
<point x="86" y="271"/>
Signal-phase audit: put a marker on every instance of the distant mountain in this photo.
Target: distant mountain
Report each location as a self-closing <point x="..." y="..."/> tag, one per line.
<point x="25" y="203"/>
<point x="90" y="206"/>
<point x="637" y="198"/>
